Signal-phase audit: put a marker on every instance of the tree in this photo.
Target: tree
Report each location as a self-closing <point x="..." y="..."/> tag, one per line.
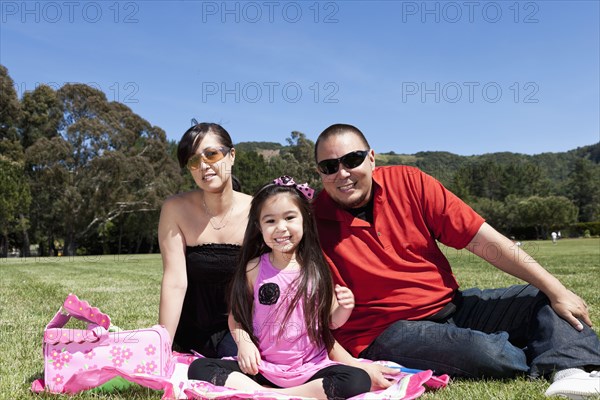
<point x="252" y="170"/>
<point x="298" y="160"/>
<point x="41" y="115"/>
<point x="110" y="167"/>
<point x="584" y="189"/>
<point x="10" y="109"/>
<point x="494" y="212"/>
<point x="49" y="176"/>
<point x="14" y="199"/>
<point x="545" y="213"/>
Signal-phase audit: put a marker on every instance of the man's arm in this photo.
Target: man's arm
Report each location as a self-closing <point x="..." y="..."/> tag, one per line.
<point x="514" y="261"/>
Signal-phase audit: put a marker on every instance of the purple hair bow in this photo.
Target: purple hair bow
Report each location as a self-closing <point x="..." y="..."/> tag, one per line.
<point x="303" y="188"/>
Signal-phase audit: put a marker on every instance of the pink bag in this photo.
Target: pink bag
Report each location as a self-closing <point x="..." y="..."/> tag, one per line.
<point x="78" y="359"/>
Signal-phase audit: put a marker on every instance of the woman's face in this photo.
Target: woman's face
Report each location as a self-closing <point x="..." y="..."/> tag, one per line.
<point x="211" y="176"/>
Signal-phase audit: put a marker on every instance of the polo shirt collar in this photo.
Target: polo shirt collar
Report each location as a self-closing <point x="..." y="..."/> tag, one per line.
<point x="327" y="208"/>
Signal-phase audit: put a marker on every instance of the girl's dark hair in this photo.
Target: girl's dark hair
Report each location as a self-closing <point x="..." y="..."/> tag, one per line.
<point x="314" y="287"/>
<point x="191" y="140"/>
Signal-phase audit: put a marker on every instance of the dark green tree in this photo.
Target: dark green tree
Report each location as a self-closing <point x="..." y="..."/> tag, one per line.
<point x="583" y="187"/>
<point x="116" y="164"/>
<point x="10" y="108"/>
<point x="545" y="213"/>
<point x="14" y="196"/>
<point x="252" y="171"/>
<point x="41" y="115"/>
<point x="298" y="160"/>
<point x="49" y="176"/>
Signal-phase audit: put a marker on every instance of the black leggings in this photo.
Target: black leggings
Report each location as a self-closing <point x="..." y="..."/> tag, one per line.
<point x="339" y="381"/>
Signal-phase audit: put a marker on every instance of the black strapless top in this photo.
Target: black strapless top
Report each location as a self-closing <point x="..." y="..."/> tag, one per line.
<point x="210" y="268"/>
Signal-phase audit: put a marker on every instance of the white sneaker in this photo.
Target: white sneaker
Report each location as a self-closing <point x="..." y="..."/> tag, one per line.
<point x="575" y="383"/>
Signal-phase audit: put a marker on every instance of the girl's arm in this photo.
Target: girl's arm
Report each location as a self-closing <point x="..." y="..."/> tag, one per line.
<point x="174" y="279"/>
<point x="342" y="305"/>
<point x="248" y="354"/>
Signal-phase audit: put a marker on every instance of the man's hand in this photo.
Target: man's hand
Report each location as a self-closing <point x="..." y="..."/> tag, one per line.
<point x="572" y="308"/>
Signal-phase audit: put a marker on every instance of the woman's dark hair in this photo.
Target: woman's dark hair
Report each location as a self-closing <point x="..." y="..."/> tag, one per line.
<point x="314" y="287"/>
<point x="191" y="140"/>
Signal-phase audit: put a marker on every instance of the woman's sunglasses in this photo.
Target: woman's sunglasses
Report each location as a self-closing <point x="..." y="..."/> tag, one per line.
<point x="349" y="161"/>
<point x="210" y="155"/>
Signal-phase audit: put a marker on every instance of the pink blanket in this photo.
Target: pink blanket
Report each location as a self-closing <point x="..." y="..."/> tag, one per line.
<point x="405" y="386"/>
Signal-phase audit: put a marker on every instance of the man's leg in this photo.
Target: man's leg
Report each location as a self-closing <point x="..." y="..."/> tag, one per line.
<point x="448" y="349"/>
<point x="524" y="312"/>
<point x="485" y="336"/>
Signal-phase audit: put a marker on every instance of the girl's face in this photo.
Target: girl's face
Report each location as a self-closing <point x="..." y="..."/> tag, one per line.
<point x="211" y="176"/>
<point x="281" y="224"/>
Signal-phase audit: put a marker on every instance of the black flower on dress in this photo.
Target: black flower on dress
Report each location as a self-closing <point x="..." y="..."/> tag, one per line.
<point x="268" y="294"/>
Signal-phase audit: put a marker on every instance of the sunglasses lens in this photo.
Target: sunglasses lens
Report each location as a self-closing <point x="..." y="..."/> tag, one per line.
<point x="194" y="162"/>
<point x="350" y="160"/>
<point x="354" y="159"/>
<point x="212" y="155"/>
<point x="329" y="167"/>
<point x="209" y="155"/>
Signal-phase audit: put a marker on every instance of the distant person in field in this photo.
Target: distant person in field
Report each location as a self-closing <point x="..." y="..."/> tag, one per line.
<point x="379" y="229"/>
<point x="199" y="235"/>
<point x="554" y="237"/>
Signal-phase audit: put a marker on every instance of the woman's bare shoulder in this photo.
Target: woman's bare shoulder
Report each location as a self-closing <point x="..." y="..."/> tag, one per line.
<point x="179" y="204"/>
<point x="179" y="199"/>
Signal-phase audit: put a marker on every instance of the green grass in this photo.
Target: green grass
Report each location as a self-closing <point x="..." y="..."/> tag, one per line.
<point x="127" y="288"/>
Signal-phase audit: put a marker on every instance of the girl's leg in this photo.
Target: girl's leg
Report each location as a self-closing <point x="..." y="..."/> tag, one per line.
<point x="333" y="382"/>
<point x="224" y="373"/>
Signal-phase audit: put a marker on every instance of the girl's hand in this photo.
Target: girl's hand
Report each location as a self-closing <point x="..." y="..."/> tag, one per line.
<point x="248" y="357"/>
<point x="377" y="374"/>
<point x="344" y="296"/>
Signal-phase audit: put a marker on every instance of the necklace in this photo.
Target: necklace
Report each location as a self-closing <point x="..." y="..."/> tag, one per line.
<point x="224" y="220"/>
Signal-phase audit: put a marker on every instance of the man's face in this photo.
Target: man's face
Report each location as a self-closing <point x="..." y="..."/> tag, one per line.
<point x="349" y="187"/>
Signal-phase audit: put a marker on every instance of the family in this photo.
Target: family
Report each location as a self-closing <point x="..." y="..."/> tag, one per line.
<point x="316" y="281"/>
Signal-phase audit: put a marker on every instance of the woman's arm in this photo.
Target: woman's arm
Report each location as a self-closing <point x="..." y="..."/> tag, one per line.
<point x="174" y="279"/>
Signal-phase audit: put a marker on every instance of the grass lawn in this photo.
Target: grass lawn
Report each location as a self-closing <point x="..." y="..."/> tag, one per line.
<point x="127" y="288"/>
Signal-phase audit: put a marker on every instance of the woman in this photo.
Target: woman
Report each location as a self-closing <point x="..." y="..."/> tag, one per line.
<point x="199" y="234"/>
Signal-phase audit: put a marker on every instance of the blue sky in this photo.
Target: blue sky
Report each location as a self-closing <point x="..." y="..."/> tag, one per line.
<point x="466" y="77"/>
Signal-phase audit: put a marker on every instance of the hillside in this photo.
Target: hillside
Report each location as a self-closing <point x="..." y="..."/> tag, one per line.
<point x="444" y="165"/>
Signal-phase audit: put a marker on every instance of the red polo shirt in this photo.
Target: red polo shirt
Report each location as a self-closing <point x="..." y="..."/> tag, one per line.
<point x="394" y="266"/>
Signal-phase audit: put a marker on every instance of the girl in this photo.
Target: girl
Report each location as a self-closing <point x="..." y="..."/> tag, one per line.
<point x="283" y="305"/>
<point x="200" y="239"/>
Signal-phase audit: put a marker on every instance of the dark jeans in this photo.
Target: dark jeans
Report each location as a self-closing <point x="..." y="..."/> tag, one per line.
<point x="494" y="333"/>
<point x="339" y="381"/>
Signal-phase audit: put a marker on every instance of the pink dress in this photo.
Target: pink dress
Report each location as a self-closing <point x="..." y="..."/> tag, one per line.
<point x="288" y="358"/>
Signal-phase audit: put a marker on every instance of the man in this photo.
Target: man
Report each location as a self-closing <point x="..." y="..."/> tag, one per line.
<point x="378" y="228"/>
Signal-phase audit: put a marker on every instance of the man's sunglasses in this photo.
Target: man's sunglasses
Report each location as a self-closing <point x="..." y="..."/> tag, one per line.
<point x="349" y="161"/>
<point x="210" y="155"/>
